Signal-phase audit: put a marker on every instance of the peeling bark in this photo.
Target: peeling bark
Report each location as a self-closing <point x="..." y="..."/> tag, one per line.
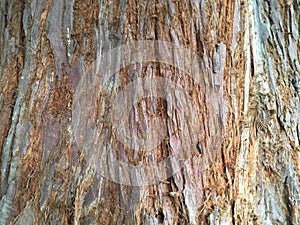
<point x="244" y="168"/>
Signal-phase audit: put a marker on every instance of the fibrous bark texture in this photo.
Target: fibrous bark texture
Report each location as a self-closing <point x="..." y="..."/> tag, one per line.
<point x="244" y="167"/>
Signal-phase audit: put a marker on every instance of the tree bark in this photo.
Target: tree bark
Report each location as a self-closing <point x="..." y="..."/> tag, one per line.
<point x="242" y="169"/>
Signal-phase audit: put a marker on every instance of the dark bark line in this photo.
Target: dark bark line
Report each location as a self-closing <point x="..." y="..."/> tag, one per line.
<point x="250" y="63"/>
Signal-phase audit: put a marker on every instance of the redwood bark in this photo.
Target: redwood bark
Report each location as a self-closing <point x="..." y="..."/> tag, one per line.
<point x="245" y="167"/>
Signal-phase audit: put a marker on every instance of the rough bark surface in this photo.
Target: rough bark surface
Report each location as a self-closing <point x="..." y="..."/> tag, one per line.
<point x="246" y="167"/>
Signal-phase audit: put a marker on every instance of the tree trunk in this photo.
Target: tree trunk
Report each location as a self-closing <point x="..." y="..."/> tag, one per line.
<point x="83" y="84"/>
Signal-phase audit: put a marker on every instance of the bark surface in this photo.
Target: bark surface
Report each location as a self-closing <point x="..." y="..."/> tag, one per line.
<point x="245" y="167"/>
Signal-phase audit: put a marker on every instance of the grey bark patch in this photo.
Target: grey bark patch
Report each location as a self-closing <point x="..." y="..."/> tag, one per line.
<point x="26" y="216"/>
<point x="55" y="35"/>
<point x="1" y="101"/>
